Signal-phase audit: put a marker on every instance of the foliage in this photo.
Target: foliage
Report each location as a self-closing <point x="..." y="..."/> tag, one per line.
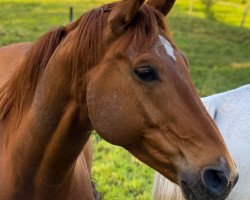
<point x="207" y="4"/>
<point x="218" y="52"/>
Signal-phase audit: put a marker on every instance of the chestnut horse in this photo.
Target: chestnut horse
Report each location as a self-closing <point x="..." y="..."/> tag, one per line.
<point x="114" y="70"/>
<point x="231" y="112"/>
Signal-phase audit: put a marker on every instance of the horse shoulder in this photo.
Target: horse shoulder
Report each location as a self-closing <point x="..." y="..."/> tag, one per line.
<point x="10" y="57"/>
<point x="81" y="183"/>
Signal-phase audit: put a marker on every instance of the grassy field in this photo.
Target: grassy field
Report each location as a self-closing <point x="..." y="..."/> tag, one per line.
<point x="217" y="48"/>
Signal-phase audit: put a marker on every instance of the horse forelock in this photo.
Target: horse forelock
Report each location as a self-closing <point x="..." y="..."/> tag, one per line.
<point x="86" y="52"/>
<point x="143" y="31"/>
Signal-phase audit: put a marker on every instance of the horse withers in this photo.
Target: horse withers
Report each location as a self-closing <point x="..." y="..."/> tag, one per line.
<point x="231" y="112"/>
<point x="117" y="71"/>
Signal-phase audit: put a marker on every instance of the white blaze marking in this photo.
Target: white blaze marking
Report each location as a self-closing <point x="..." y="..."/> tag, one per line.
<point x="168" y="47"/>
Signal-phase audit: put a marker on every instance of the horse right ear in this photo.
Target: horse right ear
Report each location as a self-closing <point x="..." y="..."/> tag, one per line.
<point x="164" y="6"/>
<point x="121" y="15"/>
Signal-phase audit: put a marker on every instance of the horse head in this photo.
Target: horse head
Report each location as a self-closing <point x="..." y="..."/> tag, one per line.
<point x="140" y="96"/>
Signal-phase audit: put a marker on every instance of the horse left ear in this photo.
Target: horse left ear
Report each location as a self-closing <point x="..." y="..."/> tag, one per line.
<point x="164" y="6"/>
<point x="122" y="14"/>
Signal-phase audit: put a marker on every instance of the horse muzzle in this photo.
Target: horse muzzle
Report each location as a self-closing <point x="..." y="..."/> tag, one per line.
<point x="213" y="183"/>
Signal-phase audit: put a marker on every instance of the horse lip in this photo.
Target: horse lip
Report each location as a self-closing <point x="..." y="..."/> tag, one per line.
<point x="235" y="181"/>
<point x="188" y="192"/>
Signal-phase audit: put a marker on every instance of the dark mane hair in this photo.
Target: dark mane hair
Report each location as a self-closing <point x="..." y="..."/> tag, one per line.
<point x="22" y="84"/>
<point x="87" y="50"/>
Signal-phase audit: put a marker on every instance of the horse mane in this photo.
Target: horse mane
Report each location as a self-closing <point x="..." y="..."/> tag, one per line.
<point x="21" y="86"/>
<point x="18" y="92"/>
<point x="165" y="189"/>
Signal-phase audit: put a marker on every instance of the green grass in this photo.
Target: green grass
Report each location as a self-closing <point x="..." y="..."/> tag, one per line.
<point x="217" y="48"/>
<point x="218" y="53"/>
<point x="119" y="175"/>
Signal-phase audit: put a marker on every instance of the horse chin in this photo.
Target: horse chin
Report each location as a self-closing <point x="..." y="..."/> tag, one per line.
<point x="187" y="191"/>
<point x="196" y="192"/>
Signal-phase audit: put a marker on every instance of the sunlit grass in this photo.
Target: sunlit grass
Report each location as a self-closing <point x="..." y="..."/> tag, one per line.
<point x="226" y="11"/>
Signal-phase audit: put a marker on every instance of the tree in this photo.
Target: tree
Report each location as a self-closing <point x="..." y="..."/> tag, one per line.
<point x="208" y="4"/>
<point x="207" y="7"/>
<point x="245" y="14"/>
<point x="191" y="4"/>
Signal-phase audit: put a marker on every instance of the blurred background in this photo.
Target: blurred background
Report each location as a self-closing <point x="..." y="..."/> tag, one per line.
<point x="213" y="34"/>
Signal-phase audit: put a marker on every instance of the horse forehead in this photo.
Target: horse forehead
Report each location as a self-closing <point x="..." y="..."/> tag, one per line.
<point x="167" y="46"/>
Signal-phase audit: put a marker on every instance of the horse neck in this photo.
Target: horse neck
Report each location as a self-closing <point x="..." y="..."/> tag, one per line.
<point x="51" y="135"/>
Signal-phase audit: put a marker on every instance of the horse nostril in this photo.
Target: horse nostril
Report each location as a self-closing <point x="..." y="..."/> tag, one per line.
<point x="215" y="181"/>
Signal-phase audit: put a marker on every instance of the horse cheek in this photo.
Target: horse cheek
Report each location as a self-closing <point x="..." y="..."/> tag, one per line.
<point x="110" y="115"/>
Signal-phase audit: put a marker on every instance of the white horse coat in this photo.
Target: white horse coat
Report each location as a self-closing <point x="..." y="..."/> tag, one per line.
<point x="231" y="112"/>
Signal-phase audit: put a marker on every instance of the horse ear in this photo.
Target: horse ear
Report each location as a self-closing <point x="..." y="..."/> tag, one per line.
<point x="122" y="14"/>
<point x="164" y="6"/>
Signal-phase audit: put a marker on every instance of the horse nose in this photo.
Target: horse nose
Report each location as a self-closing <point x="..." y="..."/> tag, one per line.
<point x="217" y="181"/>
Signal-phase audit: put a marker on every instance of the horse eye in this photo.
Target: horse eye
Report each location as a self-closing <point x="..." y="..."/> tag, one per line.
<point x="146" y="73"/>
